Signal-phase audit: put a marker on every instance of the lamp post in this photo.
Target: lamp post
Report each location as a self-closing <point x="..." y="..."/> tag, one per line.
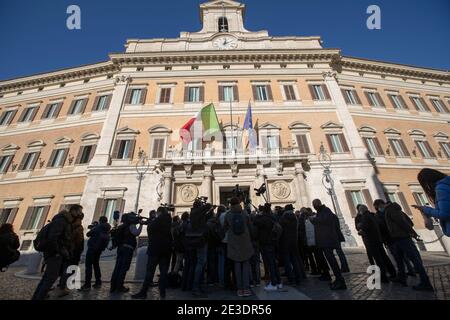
<point x="328" y="183"/>
<point x="142" y="167"/>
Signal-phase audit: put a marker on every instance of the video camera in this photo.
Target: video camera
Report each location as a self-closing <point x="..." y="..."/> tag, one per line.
<point x="133" y="218"/>
<point x="261" y="190"/>
<point x="93" y="225"/>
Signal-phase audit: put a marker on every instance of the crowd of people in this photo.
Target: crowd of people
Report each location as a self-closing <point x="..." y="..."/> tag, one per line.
<point x="237" y="247"/>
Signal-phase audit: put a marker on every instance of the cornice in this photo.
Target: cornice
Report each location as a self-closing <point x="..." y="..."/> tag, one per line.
<point x="386" y="68"/>
<point x="63" y="75"/>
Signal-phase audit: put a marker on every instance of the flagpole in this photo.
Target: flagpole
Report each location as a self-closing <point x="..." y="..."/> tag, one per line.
<point x="232" y="128"/>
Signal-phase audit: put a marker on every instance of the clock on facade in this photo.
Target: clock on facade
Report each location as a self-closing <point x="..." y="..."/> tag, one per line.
<point x="225" y="43"/>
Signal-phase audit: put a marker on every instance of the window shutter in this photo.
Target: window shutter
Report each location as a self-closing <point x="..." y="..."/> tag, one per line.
<point x="58" y="110"/>
<point x="27" y="218"/>
<point x="44" y="216"/>
<point x="378" y="146"/>
<point x="414" y="104"/>
<point x="83" y="105"/>
<point x="326" y="92"/>
<point x="35" y="160"/>
<point x="380" y="100"/>
<point x="402" y="101"/>
<point x="351" y="206"/>
<point x="425" y="105"/>
<point x="46" y="110"/>
<point x="131" y="150"/>
<point x="263" y="142"/>
<point x="255" y="93"/>
<point x="143" y="95"/>
<point x="404" y="203"/>
<point x="236" y="93"/>
<point x="202" y="93"/>
<point x="344" y="142"/>
<point x="344" y="93"/>
<point x="366" y="144"/>
<point x="108" y="101"/>
<point x="368" y="98"/>
<point x="430" y="150"/>
<point x="391" y="142"/>
<point x="35" y="111"/>
<point x="186" y="94"/>
<point x="128" y="96"/>
<point x="115" y="153"/>
<point x="442" y="144"/>
<point x="418" y="148"/>
<point x="95" y="106"/>
<point x="22" y="163"/>
<point x="368" y="199"/>
<point x="8" y="164"/>
<point x="269" y="92"/>
<point x="66" y="153"/>
<point x="72" y="105"/>
<point x="120" y="205"/>
<point x="358" y="100"/>
<point x="12" y="215"/>
<point x="221" y="93"/>
<point x="12" y="117"/>
<point x="404" y="148"/>
<point x="392" y="101"/>
<point x="443" y="105"/>
<point x="91" y="155"/>
<point x="99" y="207"/>
<point x="330" y="144"/>
<point x="22" y="115"/>
<point x="302" y="142"/>
<point x="80" y="154"/>
<point x="313" y="93"/>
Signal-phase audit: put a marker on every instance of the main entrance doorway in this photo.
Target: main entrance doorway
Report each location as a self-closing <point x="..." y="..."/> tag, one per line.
<point x="226" y="193"/>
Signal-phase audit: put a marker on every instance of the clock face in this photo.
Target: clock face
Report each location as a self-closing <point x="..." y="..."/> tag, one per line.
<point x="225" y="43"/>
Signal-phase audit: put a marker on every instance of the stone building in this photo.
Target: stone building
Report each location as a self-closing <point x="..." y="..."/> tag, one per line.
<point x="76" y="135"/>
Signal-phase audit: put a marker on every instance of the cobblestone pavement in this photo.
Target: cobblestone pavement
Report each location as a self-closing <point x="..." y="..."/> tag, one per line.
<point x="13" y="287"/>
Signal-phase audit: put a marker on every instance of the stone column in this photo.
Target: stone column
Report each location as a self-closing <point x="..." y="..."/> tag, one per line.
<point x="304" y="200"/>
<point x="207" y="183"/>
<point x="168" y="179"/>
<point x="105" y="144"/>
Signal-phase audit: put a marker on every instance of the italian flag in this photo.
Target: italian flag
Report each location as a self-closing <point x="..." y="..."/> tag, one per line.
<point x="205" y="122"/>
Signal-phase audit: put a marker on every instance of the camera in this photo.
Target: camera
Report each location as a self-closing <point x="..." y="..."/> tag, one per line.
<point x="201" y="201"/>
<point x="169" y="207"/>
<point x="93" y="225"/>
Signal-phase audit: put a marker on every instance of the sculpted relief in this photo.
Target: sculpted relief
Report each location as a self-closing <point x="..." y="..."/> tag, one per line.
<point x="280" y="190"/>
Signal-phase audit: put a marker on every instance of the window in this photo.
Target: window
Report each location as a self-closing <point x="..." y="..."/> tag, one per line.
<point x="425" y="149"/>
<point x="5" y="162"/>
<point x="7" y="117"/>
<point x="85" y="154"/>
<point x="374" y="99"/>
<point x="124" y="149"/>
<point x="420" y="104"/>
<point x="397" y="101"/>
<point x="373" y="145"/>
<point x="77" y="107"/>
<point x="302" y="142"/>
<point x="231" y="143"/>
<point x="109" y="208"/>
<point x="290" y="92"/>
<point x="337" y="143"/>
<point x="421" y="199"/>
<point x="399" y="148"/>
<point x="357" y="198"/>
<point x="272" y="143"/>
<point x="392" y="197"/>
<point x="158" y="148"/>
<point x="228" y="93"/>
<point x="29" y="161"/>
<point x="51" y="111"/>
<point x="193" y="94"/>
<point x="164" y="96"/>
<point x="7" y="215"/>
<point x="36" y="218"/>
<point x="102" y="103"/>
<point x="320" y="92"/>
<point x="351" y="97"/>
<point x="439" y="106"/>
<point x="136" y="95"/>
<point x="262" y="93"/>
<point x="445" y="146"/>
<point x="58" y="158"/>
<point x="28" y="114"/>
<point x="223" y="24"/>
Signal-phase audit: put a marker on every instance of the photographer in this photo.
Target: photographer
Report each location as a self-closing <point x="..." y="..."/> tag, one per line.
<point x="159" y="252"/>
<point x="98" y="241"/>
<point x="125" y="240"/>
<point x="196" y="238"/>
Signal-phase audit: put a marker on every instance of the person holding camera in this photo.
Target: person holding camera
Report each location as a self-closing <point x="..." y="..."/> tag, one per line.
<point x="401" y="230"/>
<point x="159" y="252"/>
<point x="98" y="241"/>
<point x="124" y="238"/>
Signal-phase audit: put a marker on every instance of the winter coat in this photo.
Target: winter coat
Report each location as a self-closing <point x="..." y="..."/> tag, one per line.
<point x="9" y="243"/>
<point x="264" y="225"/>
<point x="99" y="237"/>
<point x="77" y="242"/>
<point x="60" y="236"/>
<point x="326" y="228"/>
<point x="302" y="237"/>
<point x="160" y="235"/>
<point x="441" y="210"/>
<point x="398" y="223"/>
<point x="289" y="223"/>
<point x="380" y="216"/>
<point x="367" y="226"/>
<point x="239" y="247"/>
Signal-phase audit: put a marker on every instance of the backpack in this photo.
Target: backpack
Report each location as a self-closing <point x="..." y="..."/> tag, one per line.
<point x="194" y="239"/>
<point x="118" y="236"/>
<point x="277" y="231"/>
<point x="41" y="242"/>
<point x="237" y="223"/>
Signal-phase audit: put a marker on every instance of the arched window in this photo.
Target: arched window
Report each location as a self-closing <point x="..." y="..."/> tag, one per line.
<point x="223" y="24"/>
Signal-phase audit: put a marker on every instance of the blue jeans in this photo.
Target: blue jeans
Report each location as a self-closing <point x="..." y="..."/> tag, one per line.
<point x="123" y="263"/>
<point x="268" y="255"/>
<point x="221" y="264"/>
<point x="242" y="270"/>
<point x="407" y="247"/>
<point x="200" y="267"/>
<point x="255" y="265"/>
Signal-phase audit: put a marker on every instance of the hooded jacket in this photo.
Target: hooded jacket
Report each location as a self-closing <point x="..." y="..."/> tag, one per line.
<point x="326" y="228"/>
<point x="398" y="223"/>
<point x="441" y="210"/>
<point x="60" y="235"/>
<point x="99" y="237"/>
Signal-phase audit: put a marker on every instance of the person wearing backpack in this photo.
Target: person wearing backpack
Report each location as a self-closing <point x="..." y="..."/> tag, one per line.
<point x="240" y="248"/>
<point x="9" y="243"/>
<point x="98" y="242"/>
<point x="268" y="235"/>
<point x="54" y="241"/>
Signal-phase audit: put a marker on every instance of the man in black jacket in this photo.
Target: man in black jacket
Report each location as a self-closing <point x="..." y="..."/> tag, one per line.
<point x="57" y="251"/>
<point x="401" y="230"/>
<point x="327" y="238"/>
<point x="159" y="252"/>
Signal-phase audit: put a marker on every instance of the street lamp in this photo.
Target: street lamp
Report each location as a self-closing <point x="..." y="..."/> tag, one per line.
<point x="328" y="183"/>
<point x="142" y="167"/>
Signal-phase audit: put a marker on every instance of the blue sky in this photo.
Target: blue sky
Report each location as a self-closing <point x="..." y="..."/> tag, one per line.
<point x="35" y="39"/>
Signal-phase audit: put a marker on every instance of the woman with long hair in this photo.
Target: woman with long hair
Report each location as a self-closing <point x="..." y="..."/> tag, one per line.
<point x="437" y="187"/>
